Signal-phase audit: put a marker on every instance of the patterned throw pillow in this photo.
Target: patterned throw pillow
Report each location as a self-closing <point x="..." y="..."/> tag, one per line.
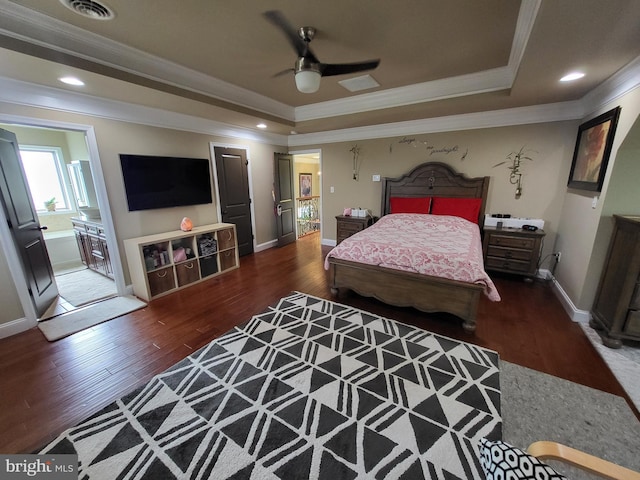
<point x="500" y="461"/>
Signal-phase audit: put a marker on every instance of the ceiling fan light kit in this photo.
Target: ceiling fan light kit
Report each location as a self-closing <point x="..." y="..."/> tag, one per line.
<point x="307" y="76"/>
<point x="309" y="70"/>
<point x="308" y="81"/>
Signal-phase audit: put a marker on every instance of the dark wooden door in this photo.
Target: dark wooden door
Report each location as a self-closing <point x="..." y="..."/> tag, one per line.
<point x="233" y="188"/>
<point x="25" y="226"/>
<point x="285" y="200"/>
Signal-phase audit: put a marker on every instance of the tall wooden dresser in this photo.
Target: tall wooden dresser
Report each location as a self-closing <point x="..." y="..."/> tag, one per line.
<point x="616" y="308"/>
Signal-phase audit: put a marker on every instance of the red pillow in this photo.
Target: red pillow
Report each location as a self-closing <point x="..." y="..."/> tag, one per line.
<point x="410" y="204"/>
<point x="467" y="208"/>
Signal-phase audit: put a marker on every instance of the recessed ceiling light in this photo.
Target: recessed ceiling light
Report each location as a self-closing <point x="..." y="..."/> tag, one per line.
<point x="72" y="81"/>
<point x="572" y="76"/>
<point x="261" y="125"/>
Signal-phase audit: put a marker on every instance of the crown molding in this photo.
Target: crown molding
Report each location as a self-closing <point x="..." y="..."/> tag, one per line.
<point x="36" y="28"/>
<point x="24" y="93"/>
<point x="623" y="82"/>
<point x="524" y="25"/>
<point x="27" y="94"/>
<point x="498" y="118"/>
<point x="31" y="95"/>
<point x="471" y="84"/>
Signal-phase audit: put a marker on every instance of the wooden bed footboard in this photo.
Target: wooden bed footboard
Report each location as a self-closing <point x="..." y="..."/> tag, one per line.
<point x="408" y="289"/>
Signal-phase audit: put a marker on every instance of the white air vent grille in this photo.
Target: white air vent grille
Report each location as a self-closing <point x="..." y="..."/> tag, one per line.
<point x="90" y="9"/>
<point x="356" y="84"/>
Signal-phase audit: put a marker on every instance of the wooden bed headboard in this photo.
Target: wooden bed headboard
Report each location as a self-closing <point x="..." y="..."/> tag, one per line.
<point x="435" y="179"/>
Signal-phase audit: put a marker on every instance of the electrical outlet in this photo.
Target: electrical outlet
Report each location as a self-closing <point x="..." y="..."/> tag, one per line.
<point x="376" y="178"/>
<point x="558" y="255"/>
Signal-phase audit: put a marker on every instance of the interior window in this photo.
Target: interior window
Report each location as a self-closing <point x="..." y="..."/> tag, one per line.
<point x="44" y="168"/>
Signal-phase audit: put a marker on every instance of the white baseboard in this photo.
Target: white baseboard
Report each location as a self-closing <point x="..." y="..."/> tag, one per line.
<point x="16" y="326"/>
<point x="328" y="242"/>
<point x="266" y="246"/>
<point x="574" y="312"/>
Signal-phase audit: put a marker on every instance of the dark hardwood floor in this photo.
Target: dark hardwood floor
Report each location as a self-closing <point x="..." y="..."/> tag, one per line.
<point x="46" y="387"/>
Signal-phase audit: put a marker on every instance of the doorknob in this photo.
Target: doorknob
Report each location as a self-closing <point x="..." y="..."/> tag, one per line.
<point x="44" y="227"/>
<point x="279" y="210"/>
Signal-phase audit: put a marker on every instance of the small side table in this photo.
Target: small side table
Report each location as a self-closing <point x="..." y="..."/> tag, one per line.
<point x="512" y="250"/>
<point x="347" y="226"/>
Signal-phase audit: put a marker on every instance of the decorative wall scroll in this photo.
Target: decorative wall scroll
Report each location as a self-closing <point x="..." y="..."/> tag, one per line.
<point x="431" y="149"/>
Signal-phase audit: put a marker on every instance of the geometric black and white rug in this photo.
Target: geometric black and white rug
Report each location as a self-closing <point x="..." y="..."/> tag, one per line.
<point x="309" y="389"/>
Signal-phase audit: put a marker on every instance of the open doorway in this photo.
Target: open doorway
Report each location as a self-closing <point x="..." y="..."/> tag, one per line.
<point x="58" y="169"/>
<point x="308" y="186"/>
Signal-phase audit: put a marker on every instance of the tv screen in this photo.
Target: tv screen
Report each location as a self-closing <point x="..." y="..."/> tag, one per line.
<point x="161" y="182"/>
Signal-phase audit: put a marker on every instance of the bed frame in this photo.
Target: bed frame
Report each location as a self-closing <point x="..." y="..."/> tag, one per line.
<point x="408" y="289"/>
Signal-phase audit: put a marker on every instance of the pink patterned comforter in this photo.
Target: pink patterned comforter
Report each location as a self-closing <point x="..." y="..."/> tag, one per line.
<point x="436" y="245"/>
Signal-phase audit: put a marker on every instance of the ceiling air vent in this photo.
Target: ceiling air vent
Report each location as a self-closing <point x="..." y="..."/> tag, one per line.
<point x="90" y="9"/>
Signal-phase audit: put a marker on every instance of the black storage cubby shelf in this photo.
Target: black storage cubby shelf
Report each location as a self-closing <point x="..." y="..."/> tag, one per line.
<point x="162" y="263"/>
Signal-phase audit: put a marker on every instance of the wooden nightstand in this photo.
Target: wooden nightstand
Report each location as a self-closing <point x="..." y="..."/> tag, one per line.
<point x="347" y="226"/>
<point x="512" y="250"/>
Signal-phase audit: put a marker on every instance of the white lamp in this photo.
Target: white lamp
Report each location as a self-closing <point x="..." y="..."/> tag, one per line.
<point x="307" y="76"/>
<point x="308" y="81"/>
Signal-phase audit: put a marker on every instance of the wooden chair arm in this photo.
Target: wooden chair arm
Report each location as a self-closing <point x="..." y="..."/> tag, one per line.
<point x="544" y="450"/>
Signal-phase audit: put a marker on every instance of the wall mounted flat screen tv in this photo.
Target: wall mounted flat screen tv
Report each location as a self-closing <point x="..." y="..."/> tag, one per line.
<point x="162" y="182"/>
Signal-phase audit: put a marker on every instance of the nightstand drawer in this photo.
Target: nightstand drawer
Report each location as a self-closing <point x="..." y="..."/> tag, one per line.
<point x="511" y="241"/>
<point x="351" y="227"/>
<point x="347" y="226"/>
<point x="512" y="250"/>
<point x="508" y="265"/>
<point x="514" y="253"/>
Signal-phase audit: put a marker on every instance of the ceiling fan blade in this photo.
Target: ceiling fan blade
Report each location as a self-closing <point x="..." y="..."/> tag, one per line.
<point x="284" y="72"/>
<point x="299" y="45"/>
<point x="329" y="69"/>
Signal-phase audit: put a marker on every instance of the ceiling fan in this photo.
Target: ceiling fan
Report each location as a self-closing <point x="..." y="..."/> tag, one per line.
<point x="308" y="69"/>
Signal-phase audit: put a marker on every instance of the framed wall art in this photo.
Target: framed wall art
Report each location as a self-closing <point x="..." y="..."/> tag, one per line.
<point x="305" y="184"/>
<point x="592" y="150"/>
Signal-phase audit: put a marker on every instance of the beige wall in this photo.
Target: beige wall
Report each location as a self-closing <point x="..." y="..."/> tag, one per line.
<point x="572" y="226"/>
<point x="473" y="152"/>
<point x="114" y="137"/>
<point x="584" y="231"/>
